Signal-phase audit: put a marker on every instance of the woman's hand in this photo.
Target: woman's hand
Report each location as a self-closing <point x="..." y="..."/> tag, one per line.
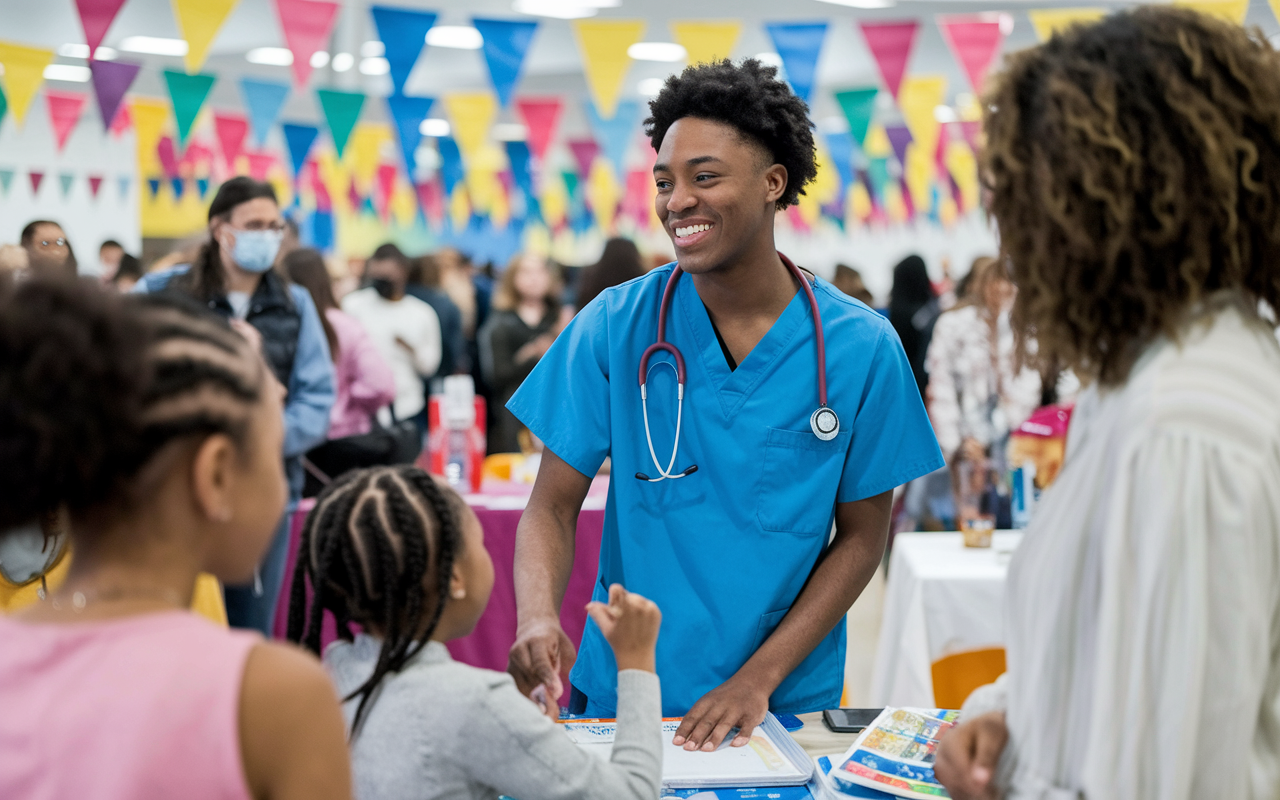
<point x="968" y="755"/>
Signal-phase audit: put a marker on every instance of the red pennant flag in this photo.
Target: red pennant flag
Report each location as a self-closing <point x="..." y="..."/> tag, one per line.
<point x="168" y="156"/>
<point x="974" y="41"/>
<point x="638" y="196"/>
<point x="260" y="164"/>
<point x="890" y="44"/>
<point x="306" y="25"/>
<point x="386" y="186"/>
<point x="970" y="129"/>
<point x="431" y="199"/>
<point x="96" y="17"/>
<point x="584" y="155"/>
<point x="95" y="183"/>
<point x="230" y="130"/>
<point x="541" y="116"/>
<point x="36" y="178"/>
<point x="122" y="122"/>
<point x="64" y="112"/>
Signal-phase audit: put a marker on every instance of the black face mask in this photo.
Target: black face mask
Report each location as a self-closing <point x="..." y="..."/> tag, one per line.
<point x="384" y="286"/>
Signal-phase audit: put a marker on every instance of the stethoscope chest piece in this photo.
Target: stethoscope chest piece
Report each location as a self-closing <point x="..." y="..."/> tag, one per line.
<point x="825" y="423"/>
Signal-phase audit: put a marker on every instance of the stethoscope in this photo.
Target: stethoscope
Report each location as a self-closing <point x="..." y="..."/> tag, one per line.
<point x="823" y="421"/>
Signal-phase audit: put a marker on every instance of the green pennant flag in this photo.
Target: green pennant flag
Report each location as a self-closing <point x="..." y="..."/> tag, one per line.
<point x="570" y="183"/>
<point x="67" y="180"/>
<point x="858" y="106"/>
<point x="341" y="110"/>
<point x="187" y="93"/>
<point x="4" y="109"/>
<point x="6" y="180"/>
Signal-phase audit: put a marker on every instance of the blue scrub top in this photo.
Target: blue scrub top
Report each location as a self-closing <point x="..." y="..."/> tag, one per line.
<point x="725" y="551"/>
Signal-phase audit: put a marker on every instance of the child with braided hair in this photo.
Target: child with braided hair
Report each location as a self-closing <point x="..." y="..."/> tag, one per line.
<point x="399" y="553"/>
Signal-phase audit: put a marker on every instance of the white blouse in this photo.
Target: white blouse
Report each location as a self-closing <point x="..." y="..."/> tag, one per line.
<point x="1143" y="607"/>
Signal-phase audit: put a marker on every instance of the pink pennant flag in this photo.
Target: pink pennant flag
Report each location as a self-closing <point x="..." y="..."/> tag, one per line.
<point x="168" y="156"/>
<point x="306" y="25"/>
<point x="36" y="178"/>
<point x="970" y="130"/>
<point x="64" y="112"/>
<point x="386" y="179"/>
<point x="638" y="195"/>
<point x="584" y="155"/>
<point x="95" y="183"/>
<point x="230" y="130"/>
<point x="797" y="221"/>
<point x="96" y="17"/>
<point x="122" y="121"/>
<point x="541" y="116"/>
<point x="260" y="164"/>
<point x="890" y="44"/>
<point x="974" y="41"/>
<point x="354" y="197"/>
<point x="431" y="199"/>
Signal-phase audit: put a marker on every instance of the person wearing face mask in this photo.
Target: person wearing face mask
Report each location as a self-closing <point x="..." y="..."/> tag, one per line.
<point x="405" y="330"/>
<point x="235" y="275"/>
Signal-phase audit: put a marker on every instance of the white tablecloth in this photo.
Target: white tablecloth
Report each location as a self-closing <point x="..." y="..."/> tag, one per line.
<point x="941" y="598"/>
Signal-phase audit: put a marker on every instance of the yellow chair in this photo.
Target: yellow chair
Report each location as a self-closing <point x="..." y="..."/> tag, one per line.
<point x="957" y="675"/>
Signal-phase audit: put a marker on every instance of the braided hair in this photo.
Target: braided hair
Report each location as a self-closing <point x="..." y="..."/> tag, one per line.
<point x="378" y="549"/>
<point x="93" y="385"/>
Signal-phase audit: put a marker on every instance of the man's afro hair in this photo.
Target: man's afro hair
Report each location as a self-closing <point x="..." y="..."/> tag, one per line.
<point x="750" y="98"/>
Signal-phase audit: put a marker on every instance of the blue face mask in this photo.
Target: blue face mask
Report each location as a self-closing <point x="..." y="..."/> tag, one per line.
<point x="255" y="251"/>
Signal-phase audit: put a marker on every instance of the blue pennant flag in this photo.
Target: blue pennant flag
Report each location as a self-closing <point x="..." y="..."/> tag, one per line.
<point x="408" y="114"/>
<point x="519" y="156"/>
<point x="178" y="185"/>
<point x="615" y="135"/>
<point x="798" y="46"/>
<point x="264" y="99"/>
<point x="123" y="182"/>
<point x="321" y="229"/>
<point x="299" y="139"/>
<point x="505" y="45"/>
<point x="840" y="146"/>
<point x="403" y="33"/>
<point x="154" y="185"/>
<point x="451" y="169"/>
<point x="202" y="186"/>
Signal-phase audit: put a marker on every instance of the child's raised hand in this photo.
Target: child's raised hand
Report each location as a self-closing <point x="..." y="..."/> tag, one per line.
<point x="630" y="625"/>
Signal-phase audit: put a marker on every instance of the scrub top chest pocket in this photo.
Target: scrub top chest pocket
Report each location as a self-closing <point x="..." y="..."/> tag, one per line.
<point x="798" y="481"/>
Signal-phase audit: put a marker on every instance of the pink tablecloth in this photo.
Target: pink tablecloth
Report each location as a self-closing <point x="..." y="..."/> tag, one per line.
<point x="499" y="508"/>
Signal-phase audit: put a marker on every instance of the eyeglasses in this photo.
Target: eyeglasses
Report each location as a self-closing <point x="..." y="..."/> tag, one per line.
<point x="59" y="242"/>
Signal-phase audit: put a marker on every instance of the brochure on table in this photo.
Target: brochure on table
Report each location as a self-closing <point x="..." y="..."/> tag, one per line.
<point x="895" y="754"/>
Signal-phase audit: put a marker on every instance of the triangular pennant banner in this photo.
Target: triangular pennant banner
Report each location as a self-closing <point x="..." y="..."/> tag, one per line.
<point x="153" y="184"/>
<point x="199" y="22"/>
<point x="920" y="96"/>
<point x="974" y="43"/>
<point x="519" y="158"/>
<point x="541" y="116"/>
<point x="96" y="17"/>
<point x="260" y="165"/>
<point x="149" y="118"/>
<point x="299" y="138"/>
<point x="23" y="74"/>
<point x="178" y="186"/>
<point x="384" y="185"/>
<point x="263" y="99"/>
<point x="123" y="183"/>
<point x="408" y="113"/>
<point x="306" y="25"/>
<point x="617" y="133"/>
<point x="6" y="180"/>
<point x="798" y="46"/>
<point x="859" y="106"/>
<point x="452" y="170"/>
<point x="122" y="122"/>
<point x="341" y="110"/>
<point x="202" y="186"/>
<point x="111" y="79"/>
<point x="187" y="93"/>
<point x="604" y="57"/>
<point x="168" y="155"/>
<point x="95" y="183"/>
<point x="65" y="180"/>
<point x="899" y="138"/>
<point x="4" y="104"/>
<point x="971" y="130"/>
<point x="1054" y="20"/>
<point x="840" y="147"/>
<point x="584" y="155"/>
<point x="470" y="114"/>
<point x="36" y="179"/>
<point x="706" y="42"/>
<point x="64" y="112"/>
<point x="403" y="32"/>
<point x="231" y="130"/>
<point x="890" y="44"/>
<point x="1228" y="10"/>
<point x="505" y="45"/>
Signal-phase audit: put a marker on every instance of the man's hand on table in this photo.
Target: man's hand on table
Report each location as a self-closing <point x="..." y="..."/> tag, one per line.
<point x="737" y="703"/>
<point x="968" y="755"/>
<point x="542" y="652"/>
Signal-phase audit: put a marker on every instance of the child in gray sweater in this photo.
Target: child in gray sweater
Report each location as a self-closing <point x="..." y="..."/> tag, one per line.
<point x="399" y="553"/>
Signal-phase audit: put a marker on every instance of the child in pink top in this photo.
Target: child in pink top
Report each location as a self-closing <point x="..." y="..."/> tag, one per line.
<point x="154" y="431"/>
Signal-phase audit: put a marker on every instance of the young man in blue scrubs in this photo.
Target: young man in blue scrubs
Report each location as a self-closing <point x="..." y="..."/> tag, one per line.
<point x="738" y="554"/>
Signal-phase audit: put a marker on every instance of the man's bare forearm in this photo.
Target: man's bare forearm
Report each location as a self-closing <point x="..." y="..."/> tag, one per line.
<point x="546" y="538"/>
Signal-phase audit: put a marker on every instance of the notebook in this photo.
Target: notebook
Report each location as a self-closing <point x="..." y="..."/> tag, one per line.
<point x="895" y="754"/>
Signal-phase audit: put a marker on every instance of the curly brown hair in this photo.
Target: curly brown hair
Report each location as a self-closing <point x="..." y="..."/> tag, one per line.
<point x="1134" y="168"/>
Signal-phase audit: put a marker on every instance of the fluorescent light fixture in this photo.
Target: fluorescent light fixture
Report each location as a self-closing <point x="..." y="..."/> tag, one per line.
<point x="73" y="50"/>
<point x="434" y="127"/>
<point x="318" y="59"/>
<point x="374" y="66"/>
<point x="343" y="62"/>
<point x="563" y="9"/>
<point x="649" y="87"/>
<point x="154" y="45"/>
<point x="373" y="48"/>
<point x="66" y="72"/>
<point x="944" y="114"/>
<point x="459" y="37"/>
<point x="861" y="3"/>
<point x="274" y="56"/>
<point x="510" y="132"/>
<point x="657" y="51"/>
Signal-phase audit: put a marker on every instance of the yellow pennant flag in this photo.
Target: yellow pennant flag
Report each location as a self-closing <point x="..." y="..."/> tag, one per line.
<point x="1049" y="21"/>
<point x="554" y="202"/>
<point x="919" y="97"/>
<point x="471" y="114"/>
<point x="826" y="184"/>
<point x="894" y="205"/>
<point x="878" y="144"/>
<point x="482" y="178"/>
<point x="964" y="170"/>
<point x="947" y="211"/>
<point x="1228" y="10"/>
<point x="23" y="74"/>
<point x="404" y="204"/>
<point x="707" y="42"/>
<point x="919" y="173"/>
<point x="149" y="119"/>
<point x="859" y="201"/>
<point x="604" y="58"/>
<point x="459" y="208"/>
<point x="199" y="21"/>
<point x="369" y="143"/>
<point x="334" y="177"/>
<point x="604" y="194"/>
<point x="500" y="209"/>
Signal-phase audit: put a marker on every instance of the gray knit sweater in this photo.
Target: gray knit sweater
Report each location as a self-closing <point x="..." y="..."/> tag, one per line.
<point x="440" y="729"/>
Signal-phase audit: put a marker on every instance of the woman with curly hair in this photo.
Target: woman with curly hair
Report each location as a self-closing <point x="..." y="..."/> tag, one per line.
<point x="1134" y="170"/>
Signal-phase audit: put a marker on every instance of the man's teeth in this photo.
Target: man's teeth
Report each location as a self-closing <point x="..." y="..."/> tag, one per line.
<point x="692" y="229"/>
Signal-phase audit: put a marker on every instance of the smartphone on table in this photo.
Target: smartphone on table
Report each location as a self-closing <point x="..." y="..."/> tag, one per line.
<point x="849" y="720"/>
